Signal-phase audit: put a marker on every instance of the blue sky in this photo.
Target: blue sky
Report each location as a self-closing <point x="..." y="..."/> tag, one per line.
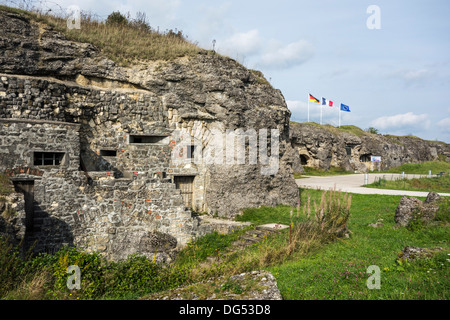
<point x="396" y="78"/>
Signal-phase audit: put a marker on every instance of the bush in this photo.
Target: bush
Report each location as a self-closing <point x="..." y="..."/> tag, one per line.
<point x="116" y="18"/>
<point x="372" y="130"/>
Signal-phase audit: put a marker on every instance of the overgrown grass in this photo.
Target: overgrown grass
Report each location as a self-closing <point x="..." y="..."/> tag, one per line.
<point x="313" y="224"/>
<point x="434" y="184"/>
<point x="124" y="43"/>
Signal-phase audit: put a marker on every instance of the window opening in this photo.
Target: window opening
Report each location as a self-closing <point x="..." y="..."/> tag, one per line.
<point x="48" y="158"/>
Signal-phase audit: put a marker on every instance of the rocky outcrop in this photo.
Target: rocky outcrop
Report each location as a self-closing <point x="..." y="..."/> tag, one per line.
<point x="413" y="208"/>
<point x="410" y="253"/>
<point x="350" y="148"/>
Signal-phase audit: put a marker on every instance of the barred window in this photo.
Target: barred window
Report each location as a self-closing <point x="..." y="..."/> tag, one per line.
<point x="48" y="158"/>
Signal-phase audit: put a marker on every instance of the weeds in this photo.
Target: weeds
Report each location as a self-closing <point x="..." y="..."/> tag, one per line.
<point x="6" y="187"/>
<point x="310" y="229"/>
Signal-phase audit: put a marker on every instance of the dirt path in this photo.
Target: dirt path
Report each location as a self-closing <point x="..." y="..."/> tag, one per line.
<point x="353" y="183"/>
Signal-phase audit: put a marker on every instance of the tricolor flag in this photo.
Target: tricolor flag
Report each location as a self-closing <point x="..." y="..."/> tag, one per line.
<point x="313" y="99"/>
<point x="345" y="108"/>
<point x="327" y="102"/>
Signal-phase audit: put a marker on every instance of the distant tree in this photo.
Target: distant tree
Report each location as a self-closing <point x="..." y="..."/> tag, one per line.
<point x="116" y="18"/>
<point x="372" y="130"/>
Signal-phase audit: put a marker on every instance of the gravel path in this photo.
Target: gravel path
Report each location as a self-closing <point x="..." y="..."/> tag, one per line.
<point x="353" y="183"/>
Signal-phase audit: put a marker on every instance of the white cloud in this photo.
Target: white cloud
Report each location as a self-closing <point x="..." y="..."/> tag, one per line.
<point x="299" y="111"/>
<point x="413" y="76"/>
<point x="289" y="55"/>
<point x="212" y="23"/>
<point x="243" y="43"/>
<point x="297" y="106"/>
<point x="265" y="53"/>
<point x="160" y="13"/>
<point x="444" y="125"/>
<point x="399" y="122"/>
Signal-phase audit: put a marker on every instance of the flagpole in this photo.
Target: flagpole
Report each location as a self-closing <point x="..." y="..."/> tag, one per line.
<point x="308" y="108"/>
<point x="321" y="111"/>
<point x="339" y="117"/>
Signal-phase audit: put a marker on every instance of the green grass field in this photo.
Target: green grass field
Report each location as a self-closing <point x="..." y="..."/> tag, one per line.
<point x="436" y="167"/>
<point x="338" y="270"/>
<point x="434" y="184"/>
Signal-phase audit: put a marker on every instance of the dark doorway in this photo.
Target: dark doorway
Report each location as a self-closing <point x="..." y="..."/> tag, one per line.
<point x="185" y="185"/>
<point x="303" y="160"/>
<point x="27" y="188"/>
<point x="365" y="158"/>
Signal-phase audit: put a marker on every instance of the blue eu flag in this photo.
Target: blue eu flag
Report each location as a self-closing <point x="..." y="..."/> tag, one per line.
<point x="345" y="108"/>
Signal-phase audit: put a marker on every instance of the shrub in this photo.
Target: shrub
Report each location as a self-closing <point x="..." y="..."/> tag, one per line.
<point x="372" y="130"/>
<point x="116" y="18"/>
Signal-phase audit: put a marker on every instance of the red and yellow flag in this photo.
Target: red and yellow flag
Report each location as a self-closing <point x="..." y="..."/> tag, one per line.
<point x="313" y="99"/>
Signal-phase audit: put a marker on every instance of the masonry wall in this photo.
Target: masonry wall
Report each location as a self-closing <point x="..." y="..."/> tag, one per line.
<point x="118" y="205"/>
<point x="55" y="187"/>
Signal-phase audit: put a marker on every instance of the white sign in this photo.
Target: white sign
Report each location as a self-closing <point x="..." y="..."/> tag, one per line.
<point x="375" y="158"/>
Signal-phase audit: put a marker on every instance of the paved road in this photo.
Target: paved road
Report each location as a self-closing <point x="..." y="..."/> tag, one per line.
<point x="353" y="183"/>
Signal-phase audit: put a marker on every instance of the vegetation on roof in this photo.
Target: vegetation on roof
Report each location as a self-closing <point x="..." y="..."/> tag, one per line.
<point x="122" y="39"/>
<point x="338" y="130"/>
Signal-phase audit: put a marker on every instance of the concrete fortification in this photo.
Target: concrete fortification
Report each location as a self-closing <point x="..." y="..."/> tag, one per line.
<point x="91" y="144"/>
